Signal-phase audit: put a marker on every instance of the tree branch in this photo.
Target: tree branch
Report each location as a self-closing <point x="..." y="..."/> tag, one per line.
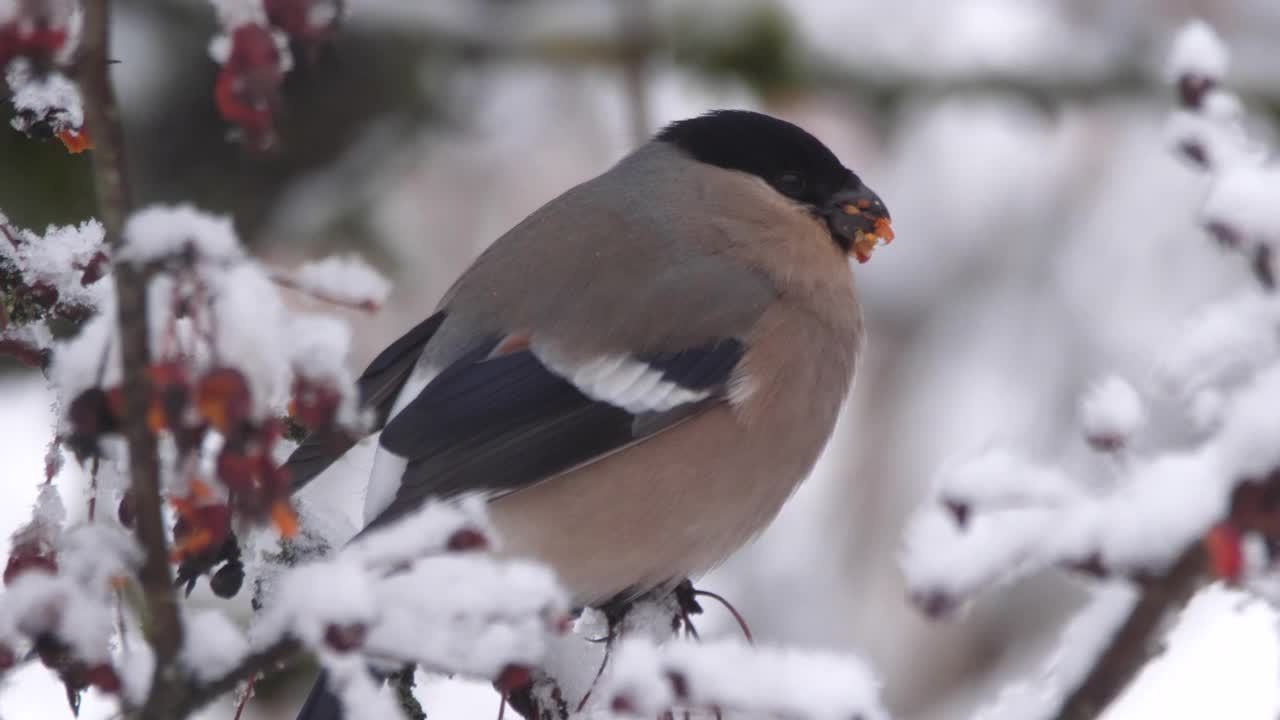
<point x="163" y="628"/>
<point x="263" y="660"/>
<point x="1134" y="643"/>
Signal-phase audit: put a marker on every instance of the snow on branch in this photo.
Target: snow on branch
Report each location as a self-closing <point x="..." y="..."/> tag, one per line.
<point x="1240" y="211"/>
<point x="55" y="275"/>
<point x="345" y="280"/>
<point x="229" y="359"/>
<point x="1197" y="52"/>
<point x="37" y="44"/>
<point x="59" y="596"/>
<point x="1175" y="514"/>
<point x="647" y="680"/>
<point x="422" y="591"/>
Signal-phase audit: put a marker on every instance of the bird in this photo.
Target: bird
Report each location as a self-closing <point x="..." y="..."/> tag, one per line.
<point x="639" y="374"/>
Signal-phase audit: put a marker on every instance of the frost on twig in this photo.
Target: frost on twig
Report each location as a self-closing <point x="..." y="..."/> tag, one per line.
<point x="344" y="280"/>
<point x="647" y="680"/>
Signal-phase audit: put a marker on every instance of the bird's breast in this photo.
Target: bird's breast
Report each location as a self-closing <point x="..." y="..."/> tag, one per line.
<point x="678" y="503"/>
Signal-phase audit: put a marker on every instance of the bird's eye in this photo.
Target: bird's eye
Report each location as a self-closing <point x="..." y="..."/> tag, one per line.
<point x="790" y="183"/>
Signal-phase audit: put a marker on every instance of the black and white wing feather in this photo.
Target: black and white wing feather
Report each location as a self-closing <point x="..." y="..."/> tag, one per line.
<point x="496" y="424"/>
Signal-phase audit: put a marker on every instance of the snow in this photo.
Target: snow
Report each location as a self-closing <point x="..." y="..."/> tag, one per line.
<point x="58" y="258"/>
<point x="648" y="679"/>
<point x="343" y="278"/>
<point x="419" y="601"/>
<point x="362" y="697"/>
<point x="1040" y="695"/>
<point x="161" y="232"/>
<point x="1139" y="523"/>
<point x="248" y="324"/>
<point x="1165" y="504"/>
<point x="48" y="514"/>
<point x="1218" y="349"/>
<point x="324" y="13"/>
<point x="986" y="517"/>
<point x="1214" y="131"/>
<point x="999" y="477"/>
<point x="251" y="333"/>
<point x="651" y="616"/>
<point x="220" y="49"/>
<point x="88" y="359"/>
<point x="425" y="531"/>
<point x="136" y="665"/>
<point x="467" y="613"/>
<point x="53" y="96"/>
<point x="37" y="602"/>
<point x="308" y="599"/>
<point x="1197" y="50"/>
<point x="95" y="555"/>
<point x="1246" y="444"/>
<point x="212" y="645"/>
<point x="76" y="604"/>
<point x="1247" y="198"/>
<point x="1112" y="411"/>
<point x="318" y="350"/>
<point x="234" y="13"/>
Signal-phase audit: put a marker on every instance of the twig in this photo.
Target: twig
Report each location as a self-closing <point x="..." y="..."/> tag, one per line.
<point x="244" y="701"/>
<point x="93" y="487"/>
<point x="163" y="629"/>
<point x="742" y="622"/>
<point x="636" y="43"/>
<point x="251" y="666"/>
<point x="285" y="281"/>
<point x="1134" y="643"/>
<point x="1263" y="271"/>
<point x="403" y="683"/>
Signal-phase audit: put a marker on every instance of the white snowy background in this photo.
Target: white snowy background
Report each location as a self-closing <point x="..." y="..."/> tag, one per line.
<point x="1038" y="249"/>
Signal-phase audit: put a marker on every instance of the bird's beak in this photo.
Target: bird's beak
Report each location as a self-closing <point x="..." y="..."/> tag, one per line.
<point x="859" y="221"/>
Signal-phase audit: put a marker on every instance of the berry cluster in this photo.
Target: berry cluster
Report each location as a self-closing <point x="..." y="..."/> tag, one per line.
<point x="257" y="52"/>
<point x="35" y="50"/>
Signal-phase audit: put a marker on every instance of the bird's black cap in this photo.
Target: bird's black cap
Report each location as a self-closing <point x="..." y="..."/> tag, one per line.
<point x="794" y="162"/>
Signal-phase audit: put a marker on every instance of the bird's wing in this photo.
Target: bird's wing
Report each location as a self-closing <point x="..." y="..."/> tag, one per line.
<point x="498" y="423"/>
<point x="378" y="387"/>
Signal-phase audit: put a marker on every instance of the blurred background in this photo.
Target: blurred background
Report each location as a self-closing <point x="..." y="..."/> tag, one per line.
<point x="1045" y="238"/>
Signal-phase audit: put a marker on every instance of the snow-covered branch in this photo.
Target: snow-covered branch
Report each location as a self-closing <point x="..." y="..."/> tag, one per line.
<point x="1167" y="516"/>
<point x="648" y="680"/>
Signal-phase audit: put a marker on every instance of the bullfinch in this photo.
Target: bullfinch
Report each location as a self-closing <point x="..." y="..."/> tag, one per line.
<point x="639" y="374"/>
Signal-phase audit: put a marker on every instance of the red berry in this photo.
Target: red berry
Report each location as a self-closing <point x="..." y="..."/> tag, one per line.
<point x="513" y="677"/>
<point x="7" y="658"/>
<point x="103" y="677"/>
<point x="222" y="398"/>
<point x="29" y="556"/>
<point x="345" y="638"/>
<point x="467" y="539"/>
<point x="126" y="512"/>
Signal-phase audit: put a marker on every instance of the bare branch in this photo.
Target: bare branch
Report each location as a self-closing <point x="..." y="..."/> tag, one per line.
<point x="1135" y="642"/>
<point x="163" y="629"/>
